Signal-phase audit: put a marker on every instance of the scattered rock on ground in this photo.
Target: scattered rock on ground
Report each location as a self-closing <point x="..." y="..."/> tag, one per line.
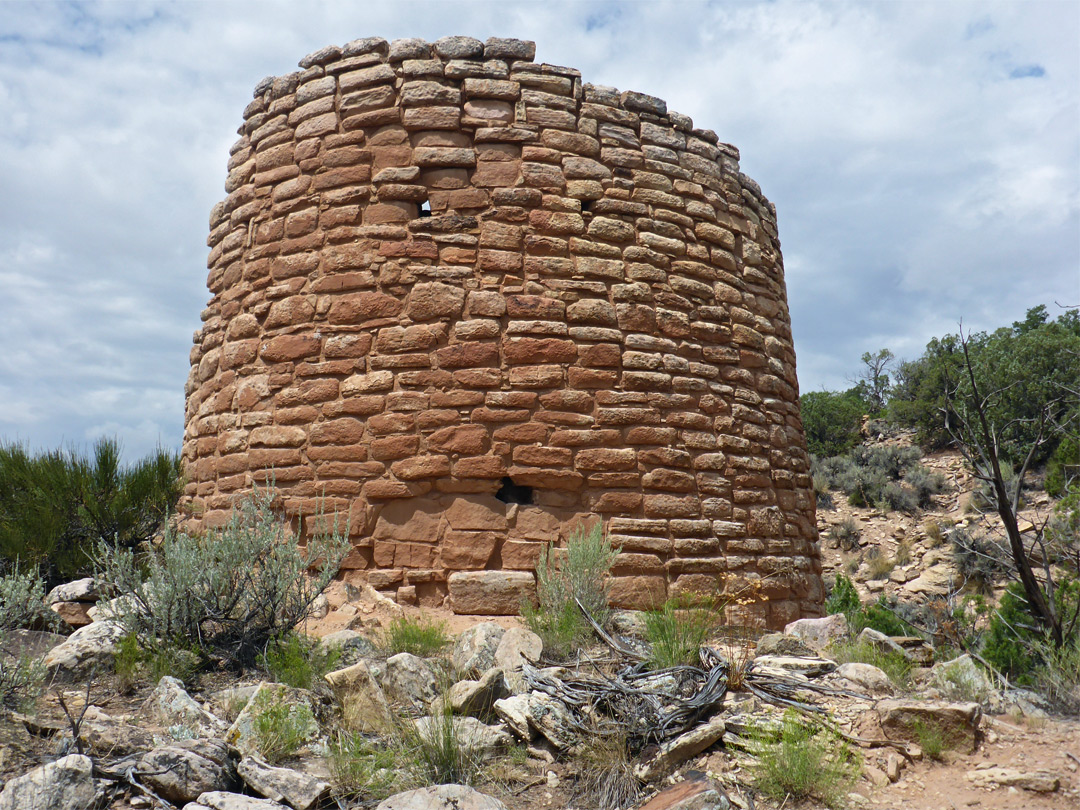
<point x="410" y="680"/>
<point x="674" y="752"/>
<point x="693" y="794"/>
<point x="516" y="646"/>
<point x="476" y="698"/>
<point x="441" y="797"/>
<point x="184" y="770"/>
<point x="1037" y="781"/>
<point x="88" y="647"/>
<point x="907" y="720"/>
<point x="819" y="633"/>
<point x="962" y="679"/>
<point x="474" y="736"/>
<point x="67" y="784"/>
<point x="171" y="705"/>
<point x="222" y="800"/>
<point x="299" y="790"/>
<point x="474" y="650"/>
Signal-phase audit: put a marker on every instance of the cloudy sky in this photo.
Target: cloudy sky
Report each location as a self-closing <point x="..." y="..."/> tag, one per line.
<point x="924" y="158"/>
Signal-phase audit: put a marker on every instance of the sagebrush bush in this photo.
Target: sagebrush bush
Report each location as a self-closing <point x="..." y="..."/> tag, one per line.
<point x="419" y="636"/>
<point x="56" y="507"/>
<point x="847" y="533"/>
<point x="580" y="571"/>
<point x="22" y="603"/>
<point x="806" y="761"/>
<point x="678" y="629"/>
<point x="230" y="591"/>
<point x="887" y="477"/>
<point x="1015" y="646"/>
<point x="979" y="560"/>
<point x="22" y="679"/>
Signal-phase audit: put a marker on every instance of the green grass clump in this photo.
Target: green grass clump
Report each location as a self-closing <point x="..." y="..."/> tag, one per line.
<point x="150" y="660"/>
<point x="363" y="767"/>
<point x="805" y="762"/>
<point x="678" y="629"/>
<point x="298" y="661"/>
<point x="932" y="739"/>
<point x="879" y="565"/>
<point x="281" y="728"/>
<point x="894" y="664"/>
<point x="579" y="572"/>
<point x="439" y="755"/>
<point x="421" y="636"/>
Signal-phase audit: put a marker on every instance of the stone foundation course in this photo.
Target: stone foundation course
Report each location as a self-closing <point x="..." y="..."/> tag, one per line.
<point x="465" y="304"/>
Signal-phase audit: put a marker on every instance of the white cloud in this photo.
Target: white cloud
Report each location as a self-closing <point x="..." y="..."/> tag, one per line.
<point x="916" y="182"/>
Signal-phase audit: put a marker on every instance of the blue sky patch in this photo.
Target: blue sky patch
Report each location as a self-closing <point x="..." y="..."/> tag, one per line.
<point x="1027" y="72"/>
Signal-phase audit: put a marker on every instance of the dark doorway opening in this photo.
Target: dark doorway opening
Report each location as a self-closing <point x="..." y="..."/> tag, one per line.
<point x="510" y="492"/>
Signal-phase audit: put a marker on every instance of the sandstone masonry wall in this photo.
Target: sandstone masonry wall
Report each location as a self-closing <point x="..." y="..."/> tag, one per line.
<point x="441" y="266"/>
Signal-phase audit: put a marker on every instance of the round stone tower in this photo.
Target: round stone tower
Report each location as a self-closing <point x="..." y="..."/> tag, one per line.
<point x="464" y="303"/>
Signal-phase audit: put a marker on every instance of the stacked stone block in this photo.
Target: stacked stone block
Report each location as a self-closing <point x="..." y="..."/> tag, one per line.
<point x="441" y="268"/>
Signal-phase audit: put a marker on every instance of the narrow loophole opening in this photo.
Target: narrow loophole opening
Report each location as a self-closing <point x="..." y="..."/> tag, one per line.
<point x="425" y="209"/>
<point x="510" y="492"/>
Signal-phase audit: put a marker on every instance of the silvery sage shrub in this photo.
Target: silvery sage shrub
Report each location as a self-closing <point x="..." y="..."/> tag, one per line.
<point x="226" y="593"/>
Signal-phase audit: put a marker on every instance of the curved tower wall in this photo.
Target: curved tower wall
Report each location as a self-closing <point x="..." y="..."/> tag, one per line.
<point x="441" y="268"/>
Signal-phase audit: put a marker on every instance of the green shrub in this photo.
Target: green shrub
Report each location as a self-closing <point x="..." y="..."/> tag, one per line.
<point x="297" y="661"/>
<point x="881" y="616"/>
<point x="821" y="492"/>
<point x="422" y="636"/>
<point x="888" y="477"/>
<point x="1015" y="647"/>
<point x="234" y="589"/>
<point x="806" y="762"/>
<point x="1058" y="676"/>
<point x="1065" y="462"/>
<point x="22" y="603"/>
<point x="843" y="598"/>
<point x="832" y="420"/>
<point x="677" y="631"/>
<point x="280" y="728"/>
<point x="55" y="508"/>
<point x="582" y="573"/>
<point x="362" y="767"/>
<point x="932" y="739"/>
<point x="150" y="660"/>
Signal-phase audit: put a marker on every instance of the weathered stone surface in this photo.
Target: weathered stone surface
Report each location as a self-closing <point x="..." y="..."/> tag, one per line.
<point x="961" y="679"/>
<point x="171" y="706"/>
<point x="817" y="634"/>
<point x="868" y="677"/>
<point x="477" y="738"/>
<point x="674" y="752"/>
<point x="517" y="646"/>
<point x="692" y="794"/>
<point x="81" y="590"/>
<point x="790" y="663"/>
<point x="183" y="771"/>
<point x="474" y="649"/>
<point x="86" y="648"/>
<point x="441" y="797"/>
<point x="959" y="723"/>
<point x="363" y="701"/>
<point x="223" y="800"/>
<point x="450" y="288"/>
<point x="66" y="784"/>
<point x="241" y="734"/>
<point x="1035" y="781"/>
<point x="477" y="698"/>
<point x="409" y="679"/>
<point x="490" y="593"/>
<point x="300" y="791"/>
<point x="781" y="644"/>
